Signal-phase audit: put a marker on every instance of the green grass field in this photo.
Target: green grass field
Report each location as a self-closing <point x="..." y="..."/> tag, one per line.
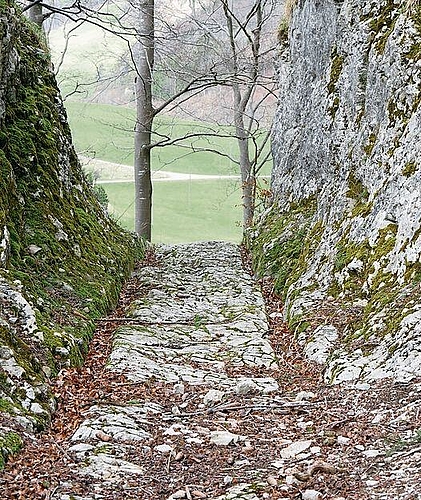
<point x="106" y="132"/>
<point x="183" y="210"/>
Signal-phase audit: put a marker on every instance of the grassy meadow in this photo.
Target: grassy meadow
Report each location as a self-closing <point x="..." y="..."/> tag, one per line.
<point x="183" y="210"/>
<point x="189" y="210"/>
<point x="106" y="132"/>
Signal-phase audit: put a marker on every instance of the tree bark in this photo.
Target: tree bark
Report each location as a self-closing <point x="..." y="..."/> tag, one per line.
<point x="144" y="119"/>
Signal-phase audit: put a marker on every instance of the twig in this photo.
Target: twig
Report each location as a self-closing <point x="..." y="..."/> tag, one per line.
<point x="168" y="466"/>
<point x="235" y="407"/>
<point x="80" y="315"/>
<point x="50" y="493"/>
<point x="407" y="453"/>
<point x="188" y="494"/>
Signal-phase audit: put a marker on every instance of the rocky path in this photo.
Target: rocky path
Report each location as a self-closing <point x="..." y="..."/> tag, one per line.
<point x="191" y="390"/>
<point x="202" y="313"/>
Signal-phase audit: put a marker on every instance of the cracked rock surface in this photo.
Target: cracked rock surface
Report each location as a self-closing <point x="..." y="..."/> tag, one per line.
<point x="202" y="312"/>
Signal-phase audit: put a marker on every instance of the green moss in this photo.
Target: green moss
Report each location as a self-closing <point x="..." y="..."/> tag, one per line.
<point x="382" y="25"/>
<point x="283" y="31"/>
<point x="356" y="189"/>
<point x="383" y="294"/>
<point x="6" y="406"/>
<point x="359" y="117"/>
<point x="368" y="148"/>
<point x="279" y="248"/>
<point x="395" y="113"/>
<point x="358" y="192"/>
<point x="10" y="443"/>
<point x="334" y="108"/>
<point x="335" y="70"/>
<point x="414" y="52"/>
<point x="409" y="169"/>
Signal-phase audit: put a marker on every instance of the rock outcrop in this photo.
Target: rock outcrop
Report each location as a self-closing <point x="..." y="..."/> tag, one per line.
<point x="343" y="236"/>
<point x="62" y="260"/>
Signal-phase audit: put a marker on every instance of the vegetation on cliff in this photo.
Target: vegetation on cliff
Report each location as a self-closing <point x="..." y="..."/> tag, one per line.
<point x="63" y="260"/>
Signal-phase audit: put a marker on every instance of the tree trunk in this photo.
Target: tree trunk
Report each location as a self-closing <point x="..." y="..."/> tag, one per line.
<point x="144" y="119"/>
<point x="248" y="180"/>
<point x="248" y="183"/>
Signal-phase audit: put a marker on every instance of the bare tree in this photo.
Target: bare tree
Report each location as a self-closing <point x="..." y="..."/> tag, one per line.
<point x="144" y="117"/>
<point x="229" y="46"/>
<point x="244" y="82"/>
<point x="216" y="45"/>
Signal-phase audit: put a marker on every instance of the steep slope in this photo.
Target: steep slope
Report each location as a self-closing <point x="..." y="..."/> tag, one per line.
<point x="62" y="259"/>
<point x="343" y="236"/>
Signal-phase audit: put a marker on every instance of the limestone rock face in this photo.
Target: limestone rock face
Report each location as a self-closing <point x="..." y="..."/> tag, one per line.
<point x="62" y="259"/>
<point x="344" y="228"/>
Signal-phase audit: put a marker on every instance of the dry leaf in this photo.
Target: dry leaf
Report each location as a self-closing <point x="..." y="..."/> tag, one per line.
<point x="321" y="467"/>
<point x="103" y="436"/>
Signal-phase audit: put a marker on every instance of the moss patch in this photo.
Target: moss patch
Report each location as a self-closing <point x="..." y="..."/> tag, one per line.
<point x="281" y="244"/>
<point x="382" y="24"/>
<point x="409" y="169"/>
<point x="335" y="70"/>
<point x="10" y="443"/>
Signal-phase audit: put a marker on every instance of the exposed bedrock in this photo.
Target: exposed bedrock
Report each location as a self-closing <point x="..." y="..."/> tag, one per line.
<point x="343" y="236"/>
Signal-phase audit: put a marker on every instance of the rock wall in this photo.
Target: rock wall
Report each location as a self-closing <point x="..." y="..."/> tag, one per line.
<point x="62" y="260"/>
<point x="343" y="235"/>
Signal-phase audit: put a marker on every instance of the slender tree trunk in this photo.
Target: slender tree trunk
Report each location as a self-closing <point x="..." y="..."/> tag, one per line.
<point x="248" y="180"/>
<point x="248" y="183"/>
<point x="241" y="100"/>
<point x="144" y="119"/>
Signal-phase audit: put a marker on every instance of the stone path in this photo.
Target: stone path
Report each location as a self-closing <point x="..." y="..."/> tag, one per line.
<point x="200" y="395"/>
<point x="202" y="313"/>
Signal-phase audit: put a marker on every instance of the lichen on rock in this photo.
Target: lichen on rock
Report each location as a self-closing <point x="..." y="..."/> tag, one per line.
<point x="347" y="134"/>
<point x="63" y="260"/>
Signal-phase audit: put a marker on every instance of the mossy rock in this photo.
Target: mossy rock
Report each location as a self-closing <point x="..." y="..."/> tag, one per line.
<point x="82" y="256"/>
